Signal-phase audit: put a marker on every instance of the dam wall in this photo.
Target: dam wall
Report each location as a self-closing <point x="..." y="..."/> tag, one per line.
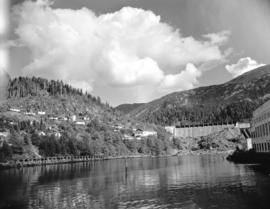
<point x="197" y="131"/>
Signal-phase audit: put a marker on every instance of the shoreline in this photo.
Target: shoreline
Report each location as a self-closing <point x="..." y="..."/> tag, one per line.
<point x="31" y="162"/>
<point x="249" y="157"/>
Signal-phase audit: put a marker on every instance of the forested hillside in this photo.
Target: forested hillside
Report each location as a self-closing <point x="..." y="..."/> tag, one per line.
<point x="50" y="118"/>
<point x="126" y="108"/>
<point x="54" y="97"/>
<point x="228" y="102"/>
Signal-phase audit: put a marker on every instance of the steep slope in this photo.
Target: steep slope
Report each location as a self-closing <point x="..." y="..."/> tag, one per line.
<point x="228" y="102"/>
<point x="126" y="108"/>
<point x="53" y="97"/>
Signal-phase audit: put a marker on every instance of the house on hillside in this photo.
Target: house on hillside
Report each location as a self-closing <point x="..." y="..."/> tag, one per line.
<point x="30" y="113"/>
<point x="170" y="129"/>
<point x="117" y="128"/>
<point x="149" y="133"/>
<point x="57" y="134"/>
<point x="3" y="136"/>
<point x="53" y="118"/>
<point x="144" y="133"/>
<point x="128" y="137"/>
<point x="86" y="118"/>
<point x="73" y="118"/>
<point x="14" y="110"/>
<point x="41" y="113"/>
<point x="41" y="133"/>
<point x="80" y="123"/>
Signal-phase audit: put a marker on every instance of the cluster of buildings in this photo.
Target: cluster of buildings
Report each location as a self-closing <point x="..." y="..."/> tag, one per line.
<point x="26" y="112"/>
<point x="82" y="119"/>
<point x="78" y="120"/>
<point x="136" y="133"/>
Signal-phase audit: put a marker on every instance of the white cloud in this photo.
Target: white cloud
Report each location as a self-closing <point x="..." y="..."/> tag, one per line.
<point x="218" y="38"/>
<point x="184" y="80"/>
<point x="242" y="66"/>
<point x="130" y="47"/>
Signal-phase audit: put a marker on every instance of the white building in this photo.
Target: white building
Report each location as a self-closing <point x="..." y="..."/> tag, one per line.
<point x="170" y="129"/>
<point x="41" y="113"/>
<point x="260" y="128"/>
<point x="41" y="133"/>
<point x="4" y="134"/>
<point x="73" y="118"/>
<point x="242" y="125"/>
<point x="144" y="133"/>
<point x="30" y="113"/>
<point x="80" y="123"/>
<point x="128" y="137"/>
<point x="14" y="110"/>
<point x="149" y="133"/>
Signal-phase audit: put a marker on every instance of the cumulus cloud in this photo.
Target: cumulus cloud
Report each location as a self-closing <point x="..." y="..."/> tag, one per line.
<point x="242" y="66"/>
<point x="184" y="80"/>
<point x="127" y="48"/>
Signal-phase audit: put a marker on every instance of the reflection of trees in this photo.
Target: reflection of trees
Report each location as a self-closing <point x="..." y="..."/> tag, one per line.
<point x="187" y="181"/>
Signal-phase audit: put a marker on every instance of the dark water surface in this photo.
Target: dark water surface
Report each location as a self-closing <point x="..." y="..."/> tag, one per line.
<point x="206" y="181"/>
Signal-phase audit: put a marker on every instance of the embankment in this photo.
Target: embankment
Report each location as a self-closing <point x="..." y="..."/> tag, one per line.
<point x="59" y="160"/>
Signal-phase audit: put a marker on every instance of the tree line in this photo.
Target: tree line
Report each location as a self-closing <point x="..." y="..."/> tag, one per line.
<point x="203" y="114"/>
<point x="26" y="86"/>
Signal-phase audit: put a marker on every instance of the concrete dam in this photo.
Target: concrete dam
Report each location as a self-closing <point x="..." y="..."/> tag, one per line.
<point x="197" y="130"/>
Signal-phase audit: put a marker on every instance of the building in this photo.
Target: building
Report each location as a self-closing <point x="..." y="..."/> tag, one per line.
<point x="242" y="125"/>
<point x="14" y="110"/>
<point x="73" y="118"/>
<point x="170" y="129"/>
<point x="144" y="133"/>
<point x="260" y="128"/>
<point x="41" y="133"/>
<point x="41" y="113"/>
<point x="149" y="133"/>
<point x="30" y="113"/>
<point x="53" y="118"/>
<point x="80" y="123"/>
<point x="3" y="136"/>
<point x="128" y="137"/>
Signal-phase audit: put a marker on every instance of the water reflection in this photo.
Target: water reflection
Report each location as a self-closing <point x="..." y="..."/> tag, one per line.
<point x="207" y="181"/>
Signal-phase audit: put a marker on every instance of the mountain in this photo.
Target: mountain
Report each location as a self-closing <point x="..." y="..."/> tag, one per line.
<point x="126" y="108"/>
<point x="228" y="102"/>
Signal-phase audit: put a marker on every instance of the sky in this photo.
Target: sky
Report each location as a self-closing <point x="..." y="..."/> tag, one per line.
<point x="129" y="51"/>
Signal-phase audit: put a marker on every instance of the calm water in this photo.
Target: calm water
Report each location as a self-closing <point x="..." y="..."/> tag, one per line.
<point x="207" y="181"/>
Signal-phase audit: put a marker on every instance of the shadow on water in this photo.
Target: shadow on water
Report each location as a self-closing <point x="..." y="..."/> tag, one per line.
<point x="207" y="181"/>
